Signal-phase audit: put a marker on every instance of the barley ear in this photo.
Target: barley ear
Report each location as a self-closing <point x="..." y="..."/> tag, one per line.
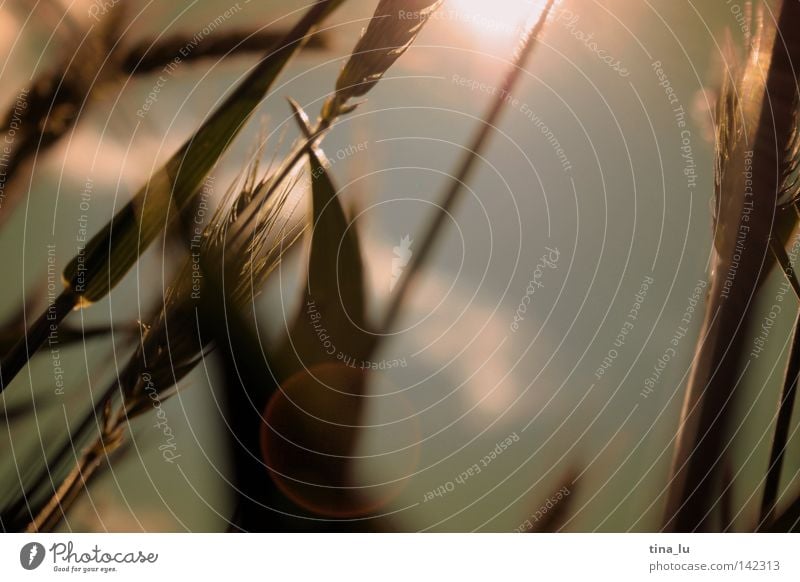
<point x="392" y="29"/>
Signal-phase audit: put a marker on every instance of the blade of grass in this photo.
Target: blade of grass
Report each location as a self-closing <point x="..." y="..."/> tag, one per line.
<point x="112" y="252"/>
<point x="388" y="35"/>
<point x="334" y="296"/>
<point x="789" y="391"/>
<point x="244" y="257"/>
<point x="463" y="173"/>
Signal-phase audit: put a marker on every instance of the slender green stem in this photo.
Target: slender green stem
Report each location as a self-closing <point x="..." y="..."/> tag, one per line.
<point x="36" y="337"/>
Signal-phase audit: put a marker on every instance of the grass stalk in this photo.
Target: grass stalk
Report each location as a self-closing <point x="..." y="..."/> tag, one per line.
<point x="755" y="123"/>
<point x="68" y="492"/>
<point x="463" y="173"/>
<point x="787" y="521"/>
<point x="112" y="252"/>
<point x="782" y="427"/>
<point x="36" y="336"/>
<point x="151" y="55"/>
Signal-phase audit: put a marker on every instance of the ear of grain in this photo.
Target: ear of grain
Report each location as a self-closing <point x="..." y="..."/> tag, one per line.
<point x="238" y="244"/>
<point x="244" y="241"/>
<point x="758" y="112"/>
<point x="392" y="29"/>
<point x="334" y="301"/>
<point x="116" y="248"/>
<point x="112" y="252"/>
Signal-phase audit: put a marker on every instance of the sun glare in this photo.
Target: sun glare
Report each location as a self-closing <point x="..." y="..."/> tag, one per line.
<point x="493" y="20"/>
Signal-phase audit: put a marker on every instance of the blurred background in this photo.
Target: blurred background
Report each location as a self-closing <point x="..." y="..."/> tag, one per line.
<point x="556" y="323"/>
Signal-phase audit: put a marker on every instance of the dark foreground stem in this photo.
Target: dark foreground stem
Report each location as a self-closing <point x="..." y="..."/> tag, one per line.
<point x="764" y="121"/>
<point x="782" y="426"/>
<point x="152" y="55"/>
<point x="786" y="522"/>
<point x="36" y="337"/>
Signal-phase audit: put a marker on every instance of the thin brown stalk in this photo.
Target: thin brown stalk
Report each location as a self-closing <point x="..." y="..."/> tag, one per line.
<point x="151" y="55"/>
<point x="464" y="171"/>
<point x="69" y="490"/>
<point x="53" y="465"/>
<point x="112" y="252"/>
<point x="154" y="372"/>
<point x="49" y="109"/>
<point x="787" y="521"/>
<point x="783" y="424"/>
